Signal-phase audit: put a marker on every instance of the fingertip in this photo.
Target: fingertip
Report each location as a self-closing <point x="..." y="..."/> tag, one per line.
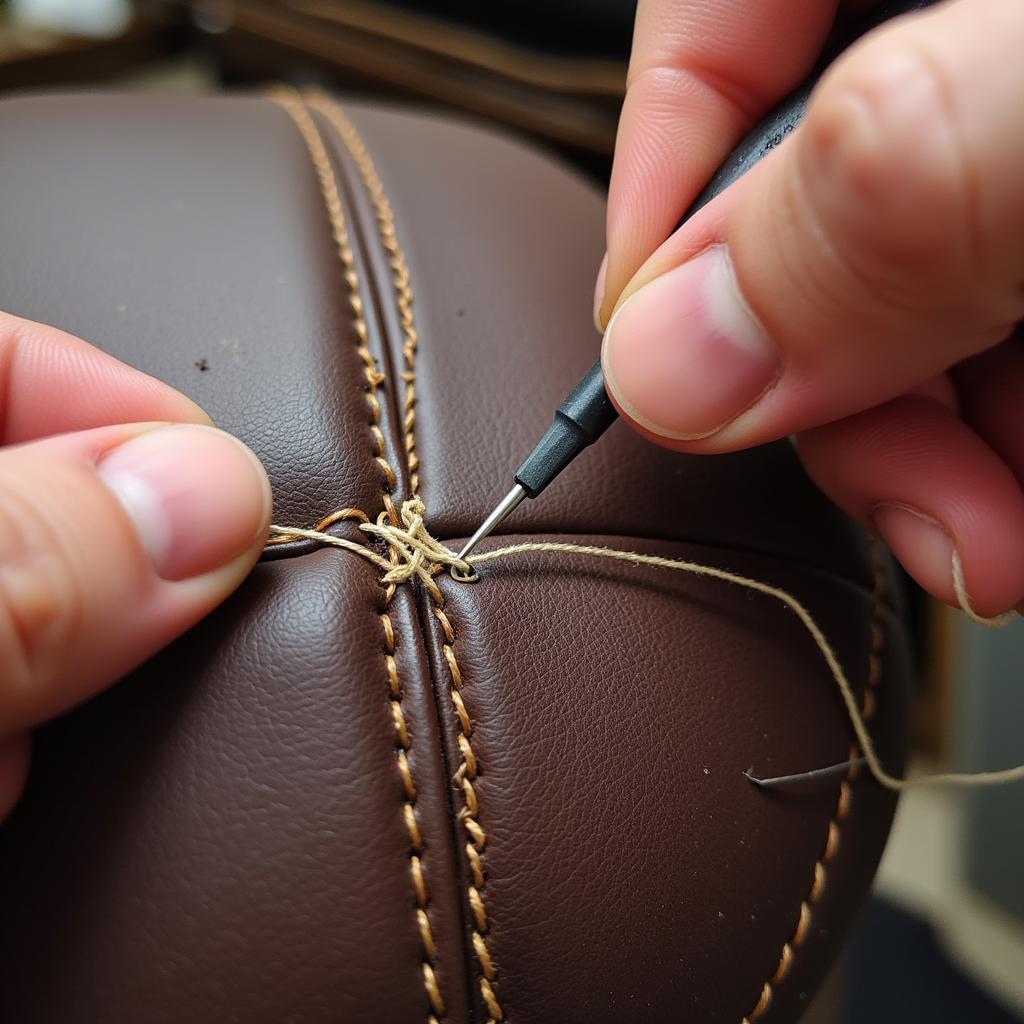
<point x="685" y="355"/>
<point x="54" y="383"/>
<point x="935" y="492"/>
<point x="197" y="497"/>
<point x="920" y="544"/>
<point x="123" y="538"/>
<point x="192" y="412"/>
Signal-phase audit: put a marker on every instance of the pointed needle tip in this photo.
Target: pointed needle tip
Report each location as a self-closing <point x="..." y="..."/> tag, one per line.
<point x="505" y="508"/>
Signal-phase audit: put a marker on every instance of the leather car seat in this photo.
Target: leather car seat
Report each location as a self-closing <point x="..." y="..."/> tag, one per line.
<point x="520" y="799"/>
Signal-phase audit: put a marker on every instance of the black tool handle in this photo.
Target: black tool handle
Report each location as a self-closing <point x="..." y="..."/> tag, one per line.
<point x="785" y="116"/>
<point x="585" y="415"/>
<point x="580" y="420"/>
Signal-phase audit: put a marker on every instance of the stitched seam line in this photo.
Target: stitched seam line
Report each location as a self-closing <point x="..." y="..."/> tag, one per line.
<point x="373" y="379"/>
<point x="476" y="837"/>
<point x="399" y="269"/>
<point x="842" y="809"/>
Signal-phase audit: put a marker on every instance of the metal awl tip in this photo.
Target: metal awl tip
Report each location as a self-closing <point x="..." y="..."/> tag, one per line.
<point x="505" y="508"/>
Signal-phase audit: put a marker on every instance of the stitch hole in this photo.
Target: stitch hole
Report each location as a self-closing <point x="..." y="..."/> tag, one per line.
<point x="819" y="881"/>
<point x="464" y="575"/>
<point x="399" y="720"/>
<point x="762" y="1004"/>
<point x="479" y="911"/>
<point x="418" y="882"/>
<point x="426" y="936"/>
<point x="802" y="924"/>
<point x="493" y="1006"/>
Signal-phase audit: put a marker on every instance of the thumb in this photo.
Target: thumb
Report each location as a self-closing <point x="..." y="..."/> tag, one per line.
<point x="112" y="542"/>
<point x="875" y="248"/>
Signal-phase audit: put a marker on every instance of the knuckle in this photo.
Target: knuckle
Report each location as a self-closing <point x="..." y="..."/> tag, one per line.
<point x="39" y="595"/>
<point x="888" y="175"/>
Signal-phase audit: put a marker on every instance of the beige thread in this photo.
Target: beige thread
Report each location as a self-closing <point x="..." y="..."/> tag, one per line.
<point x="964" y="599"/>
<point x="416" y="554"/>
<point x="476" y="836"/>
<point x="876" y="638"/>
<point x="396" y="259"/>
<point x="294" y="107"/>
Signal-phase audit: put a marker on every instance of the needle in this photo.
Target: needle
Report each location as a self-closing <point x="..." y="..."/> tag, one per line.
<point x="505" y="508"/>
<point x="579" y="421"/>
<point x="585" y="415"/>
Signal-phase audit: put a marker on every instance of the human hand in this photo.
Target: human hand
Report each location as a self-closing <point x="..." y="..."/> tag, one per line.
<point x="124" y="518"/>
<point x="856" y="289"/>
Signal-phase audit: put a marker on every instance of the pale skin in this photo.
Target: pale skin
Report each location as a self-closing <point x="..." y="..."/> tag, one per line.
<point x="125" y="517"/>
<point x="878" y="253"/>
<point x="855" y="290"/>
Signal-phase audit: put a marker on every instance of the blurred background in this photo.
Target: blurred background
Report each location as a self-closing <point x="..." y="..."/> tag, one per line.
<point x="942" y="940"/>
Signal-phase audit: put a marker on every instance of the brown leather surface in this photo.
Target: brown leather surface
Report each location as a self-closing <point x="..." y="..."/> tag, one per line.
<point x="540" y="233"/>
<point x="221" y="837"/>
<point x="634" y="872"/>
<point x="170" y="230"/>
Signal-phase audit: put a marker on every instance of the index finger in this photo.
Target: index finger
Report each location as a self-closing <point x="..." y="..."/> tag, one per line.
<point x="700" y="76"/>
<point x="54" y="383"/>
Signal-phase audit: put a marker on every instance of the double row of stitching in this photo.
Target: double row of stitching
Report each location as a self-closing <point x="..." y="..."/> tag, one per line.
<point x="400" y="280"/>
<point x="876" y="641"/>
<point x="373" y="378"/>
<point x="469" y="768"/>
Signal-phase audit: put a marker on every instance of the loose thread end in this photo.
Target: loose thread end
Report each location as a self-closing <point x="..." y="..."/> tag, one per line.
<point x="414" y="553"/>
<point x="964" y="600"/>
<point x="815" y="774"/>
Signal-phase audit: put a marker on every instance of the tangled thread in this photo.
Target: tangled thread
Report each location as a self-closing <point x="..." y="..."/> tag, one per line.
<point x="415" y="553"/>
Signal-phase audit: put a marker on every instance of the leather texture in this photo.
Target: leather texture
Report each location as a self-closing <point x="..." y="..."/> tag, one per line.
<point x="225" y="835"/>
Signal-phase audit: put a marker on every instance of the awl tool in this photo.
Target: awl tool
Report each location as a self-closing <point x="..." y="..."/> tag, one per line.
<point x="588" y="411"/>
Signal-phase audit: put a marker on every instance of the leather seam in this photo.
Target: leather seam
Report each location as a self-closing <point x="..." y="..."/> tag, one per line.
<point x="476" y="837"/>
<point x="876" y="641"/>
<point x="373" y="378"/>
<point x="469" y="769"/>
<point x="400" y="279"/>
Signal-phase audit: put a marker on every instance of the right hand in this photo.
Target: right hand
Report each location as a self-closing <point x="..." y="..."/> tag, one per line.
<point x="856" y="288"/>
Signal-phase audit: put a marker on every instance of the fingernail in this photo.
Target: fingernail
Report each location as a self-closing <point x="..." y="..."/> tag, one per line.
<point x="197" y="497"/>
<point x="685" y="355"/>
<point x="922" y="546"/>
<point x="602" y="273"/>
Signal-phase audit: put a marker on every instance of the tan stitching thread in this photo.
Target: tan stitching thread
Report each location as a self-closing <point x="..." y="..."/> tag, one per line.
<point x="876" y="640"/>
<point x="399" y="268"/>
<point x="416" y="554"/>
<point x="374" y="378"/>
<point x="389" y="521"/>
<point x="476" y="836"/>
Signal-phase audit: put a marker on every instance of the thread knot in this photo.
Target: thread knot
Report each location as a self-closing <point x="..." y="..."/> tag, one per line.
<point x="415" y="551"/>
<point x="412" y="551"/>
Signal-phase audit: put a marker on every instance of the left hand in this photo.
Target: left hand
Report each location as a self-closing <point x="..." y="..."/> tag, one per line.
<point x="124" y="518"/>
